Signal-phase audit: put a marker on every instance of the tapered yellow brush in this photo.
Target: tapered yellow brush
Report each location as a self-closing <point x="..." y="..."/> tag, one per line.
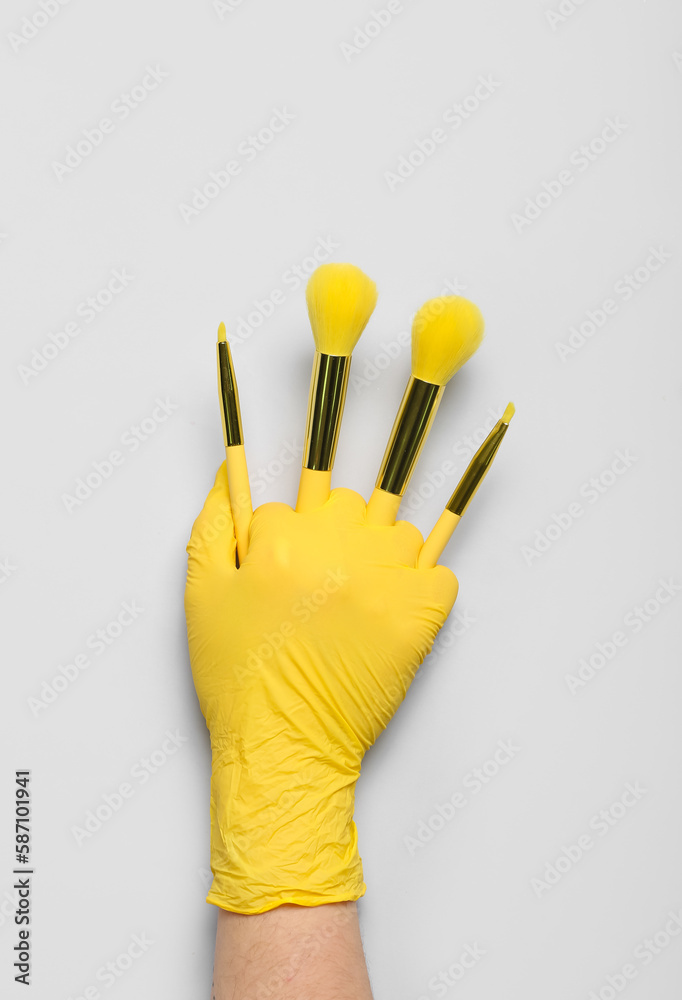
<point x="341" y="299"/>
<point x="476" y="471"/>
<point x="445" y="333"/>
<point x="233" y="436"/>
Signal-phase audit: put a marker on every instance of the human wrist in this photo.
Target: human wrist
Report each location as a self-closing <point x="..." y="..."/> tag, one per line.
<point x="291" y="952"/>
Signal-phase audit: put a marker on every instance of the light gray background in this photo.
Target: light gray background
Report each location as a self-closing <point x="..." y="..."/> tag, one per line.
<point x="504" y="677"/>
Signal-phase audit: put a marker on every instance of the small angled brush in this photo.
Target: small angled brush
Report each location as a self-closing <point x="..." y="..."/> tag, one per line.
<point x="233" y="436"/>
<point x="475" y="473"/>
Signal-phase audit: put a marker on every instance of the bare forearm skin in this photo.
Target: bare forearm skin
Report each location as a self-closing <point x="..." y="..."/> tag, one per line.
<point x="291" y="953"/>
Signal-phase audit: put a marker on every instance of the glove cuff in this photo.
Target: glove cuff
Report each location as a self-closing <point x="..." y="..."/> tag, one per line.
<point x="281" y="838"/>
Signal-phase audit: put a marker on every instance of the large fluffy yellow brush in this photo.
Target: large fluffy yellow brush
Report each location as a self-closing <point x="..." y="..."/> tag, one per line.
<point x="445" y="333"/>
<point x="341" y="299"/>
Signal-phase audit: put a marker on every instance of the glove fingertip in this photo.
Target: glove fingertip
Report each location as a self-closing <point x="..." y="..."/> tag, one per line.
<point x="446" y="583"/>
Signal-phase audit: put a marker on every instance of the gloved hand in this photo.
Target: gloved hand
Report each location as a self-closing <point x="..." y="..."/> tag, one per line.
<point x="300" y="658"/>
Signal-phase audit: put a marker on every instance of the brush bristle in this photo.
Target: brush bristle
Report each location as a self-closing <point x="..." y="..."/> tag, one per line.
<point x="222" y="333"/>
<point x="508" y="413"/>
<point x="445" y="333"/>
<point x="340" y="298"/>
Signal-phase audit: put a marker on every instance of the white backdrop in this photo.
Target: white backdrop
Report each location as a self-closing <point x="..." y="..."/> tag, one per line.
<point x="526" y="155"/>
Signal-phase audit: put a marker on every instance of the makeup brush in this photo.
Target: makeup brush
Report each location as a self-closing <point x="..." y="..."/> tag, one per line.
<point x="445" y="333"/>
<point x="233" y="436"/>
<point x="341" y="299"/>
<point x="476" y="471"/>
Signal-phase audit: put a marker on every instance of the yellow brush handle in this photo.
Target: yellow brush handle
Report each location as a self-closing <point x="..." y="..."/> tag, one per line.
<point x="434" y="546"/>
<point x="313" y="489"/>
<point x="382" y="508"/>
<point x="240" y="496"/>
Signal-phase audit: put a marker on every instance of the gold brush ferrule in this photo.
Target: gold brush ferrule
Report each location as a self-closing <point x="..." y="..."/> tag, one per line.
<point x="476" y="470"/>
<point x="229" y="397"/>
<point x="411" y="427"/>
<point x="328" y="385"/>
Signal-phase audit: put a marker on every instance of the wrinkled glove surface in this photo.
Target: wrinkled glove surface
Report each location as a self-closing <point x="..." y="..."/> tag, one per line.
<point x="300" y="658"/>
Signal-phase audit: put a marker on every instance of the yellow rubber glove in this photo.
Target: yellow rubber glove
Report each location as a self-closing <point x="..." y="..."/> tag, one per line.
<point x="300" y="658"/>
